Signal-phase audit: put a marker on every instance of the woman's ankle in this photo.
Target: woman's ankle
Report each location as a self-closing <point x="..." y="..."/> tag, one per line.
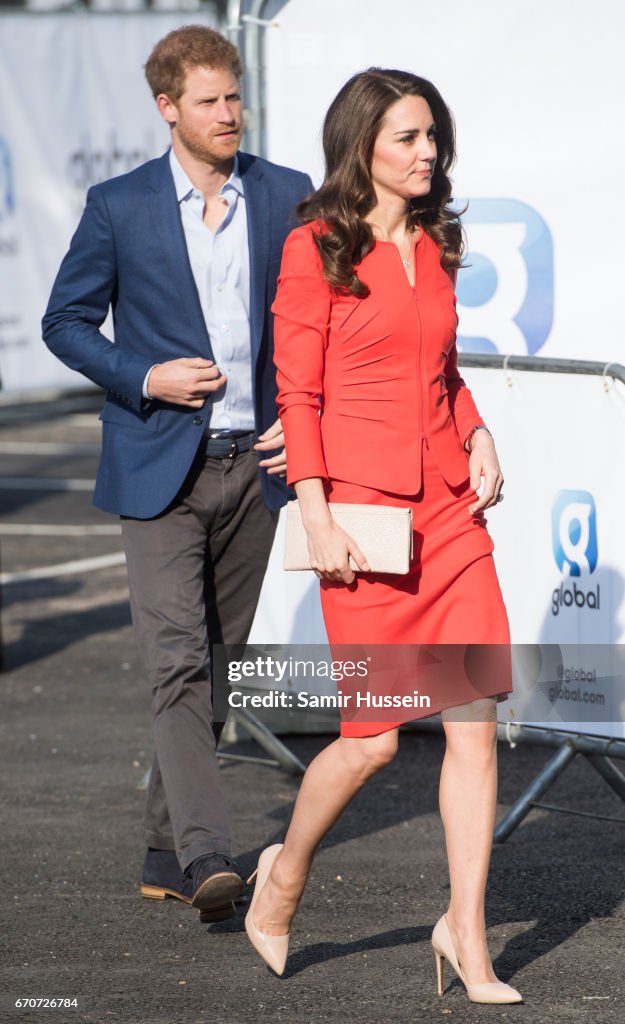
<point x="289" y="874"/>
<point x="465" y="924"/>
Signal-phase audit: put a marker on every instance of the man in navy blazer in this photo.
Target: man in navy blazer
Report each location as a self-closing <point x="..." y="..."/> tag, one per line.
<point x="186" y="251"/>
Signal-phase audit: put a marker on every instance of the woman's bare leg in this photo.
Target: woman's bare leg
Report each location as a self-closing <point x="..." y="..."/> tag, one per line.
<point x="468" y="792"/>
<point x="330" y="783"/>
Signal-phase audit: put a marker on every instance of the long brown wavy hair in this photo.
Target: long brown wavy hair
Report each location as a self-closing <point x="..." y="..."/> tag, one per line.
<point x="347" y="194"/>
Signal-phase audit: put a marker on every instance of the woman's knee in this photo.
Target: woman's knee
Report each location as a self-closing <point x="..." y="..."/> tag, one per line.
<point x="472" y="728"/>
<point x="372" y="753"/>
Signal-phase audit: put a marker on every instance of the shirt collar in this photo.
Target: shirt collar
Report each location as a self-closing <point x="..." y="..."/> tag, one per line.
<point x="184" y="187"/>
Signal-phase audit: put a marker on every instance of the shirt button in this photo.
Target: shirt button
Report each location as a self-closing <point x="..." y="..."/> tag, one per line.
<point x="220" y="287"/>
<point x="198" y="421"/>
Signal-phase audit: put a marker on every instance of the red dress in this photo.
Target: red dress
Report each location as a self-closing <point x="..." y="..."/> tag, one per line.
<point x="371" y="401"/>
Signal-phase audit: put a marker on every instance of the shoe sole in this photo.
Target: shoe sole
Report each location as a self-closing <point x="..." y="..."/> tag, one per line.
<point x="157" y="892"/>
<point x="220" y="912"/>
<point x="217" y="890"/>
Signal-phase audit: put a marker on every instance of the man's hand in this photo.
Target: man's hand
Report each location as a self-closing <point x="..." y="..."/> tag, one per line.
<point x="273" y="438"/>
<point x="185" y="381"/>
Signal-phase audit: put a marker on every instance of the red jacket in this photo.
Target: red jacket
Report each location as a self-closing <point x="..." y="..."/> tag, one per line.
<point x="362" y="381"/>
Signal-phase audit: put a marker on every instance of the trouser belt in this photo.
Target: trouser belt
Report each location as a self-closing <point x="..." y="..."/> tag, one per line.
<point x="229" y="445"/>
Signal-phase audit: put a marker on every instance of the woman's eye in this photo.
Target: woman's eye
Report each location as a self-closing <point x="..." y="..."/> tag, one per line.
<point x="407" y="138"/>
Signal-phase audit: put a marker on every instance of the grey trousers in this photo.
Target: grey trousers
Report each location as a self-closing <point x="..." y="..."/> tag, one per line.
<point x="194" y="574"/>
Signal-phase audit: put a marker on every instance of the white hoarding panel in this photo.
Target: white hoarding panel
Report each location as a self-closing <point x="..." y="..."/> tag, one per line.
<point x="76" y="109"/>
<point x="536" y="90"/>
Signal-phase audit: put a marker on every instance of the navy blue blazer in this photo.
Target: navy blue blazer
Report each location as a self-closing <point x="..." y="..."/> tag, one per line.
<point x="129" y="252"/>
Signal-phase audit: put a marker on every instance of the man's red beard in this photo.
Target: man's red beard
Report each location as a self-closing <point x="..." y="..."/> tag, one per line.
<point x="213" y="149"/>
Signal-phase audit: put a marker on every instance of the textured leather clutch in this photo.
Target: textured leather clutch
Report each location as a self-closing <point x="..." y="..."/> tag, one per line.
<point x="382" y="532"/>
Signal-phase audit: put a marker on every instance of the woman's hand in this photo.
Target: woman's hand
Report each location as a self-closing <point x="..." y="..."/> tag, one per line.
<point x="484" y="464"/>
<point x="330" y="547"/>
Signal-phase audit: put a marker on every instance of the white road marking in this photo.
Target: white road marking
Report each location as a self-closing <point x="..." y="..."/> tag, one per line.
<point x="47" y="448"/>
<point x="42" y="483"/>
<point x="83" y="419"/>
<point x="43" y="530"/>
<point x="64" y="568"/>
<point x="61" y="397"/>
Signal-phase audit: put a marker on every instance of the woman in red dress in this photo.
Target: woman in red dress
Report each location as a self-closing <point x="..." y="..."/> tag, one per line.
<point x="375" y="411"/>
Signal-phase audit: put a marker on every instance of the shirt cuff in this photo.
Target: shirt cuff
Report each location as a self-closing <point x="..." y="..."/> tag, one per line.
<point x="146" y="394"/>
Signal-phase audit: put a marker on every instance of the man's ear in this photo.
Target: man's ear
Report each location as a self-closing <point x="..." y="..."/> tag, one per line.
<point x="167" y="109"/>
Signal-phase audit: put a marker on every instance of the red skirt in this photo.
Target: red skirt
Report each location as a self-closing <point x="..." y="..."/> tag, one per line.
<point x="440" y="632"/>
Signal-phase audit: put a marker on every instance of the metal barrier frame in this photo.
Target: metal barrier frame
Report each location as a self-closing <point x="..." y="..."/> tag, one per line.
<point x="597" y="750"/>
<point x="541" y="364"/>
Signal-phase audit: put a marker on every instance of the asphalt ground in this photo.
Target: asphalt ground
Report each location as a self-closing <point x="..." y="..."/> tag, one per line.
<point x="76" y="742"/>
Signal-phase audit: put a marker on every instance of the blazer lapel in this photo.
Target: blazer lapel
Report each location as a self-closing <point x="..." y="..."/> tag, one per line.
<point x="169" y="230"/>
<point x="257" y="208"/>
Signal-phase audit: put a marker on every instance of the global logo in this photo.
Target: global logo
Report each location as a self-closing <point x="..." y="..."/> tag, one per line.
<point x="7" y="191"/>
<point x="574" y="530"/>
<point x="506" y="291"/>
<point x="575" y="549"/>
<point x="91" y="163"/>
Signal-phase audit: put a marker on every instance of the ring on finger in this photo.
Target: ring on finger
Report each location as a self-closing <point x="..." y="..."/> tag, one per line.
<point x="500" y="497"/>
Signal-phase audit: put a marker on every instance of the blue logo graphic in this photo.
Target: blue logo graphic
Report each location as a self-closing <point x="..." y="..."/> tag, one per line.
<point x="506" y="289"/>
<point x="7" y="192"/>
<point x="574" y="532"/>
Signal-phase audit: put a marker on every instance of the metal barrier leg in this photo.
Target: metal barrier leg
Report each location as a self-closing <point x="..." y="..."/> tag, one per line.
<point x="266" y="739"/>
<point x="534" y="791"/>
<point x="281" y="755"/>
<point x="608" y="771"/>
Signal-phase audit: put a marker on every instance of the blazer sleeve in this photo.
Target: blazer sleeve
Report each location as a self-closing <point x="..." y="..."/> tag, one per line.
<point x="462" y="406"/>
<point x="302" y="315"/>
<point x="85" y="286"/>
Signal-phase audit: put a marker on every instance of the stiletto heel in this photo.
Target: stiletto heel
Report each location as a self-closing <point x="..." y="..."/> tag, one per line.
<point x="440" y="969"/>
<point x="487" y="991"/>
<point x="252" y="876"/>
<point x="274" y="949"/>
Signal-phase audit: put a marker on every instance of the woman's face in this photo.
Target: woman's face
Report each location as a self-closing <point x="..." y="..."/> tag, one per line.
<point x="404" y="153"/>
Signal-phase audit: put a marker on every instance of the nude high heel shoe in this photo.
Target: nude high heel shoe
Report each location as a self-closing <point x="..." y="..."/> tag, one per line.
<point x="274" y="949"/>
<point x="487" y="991"/>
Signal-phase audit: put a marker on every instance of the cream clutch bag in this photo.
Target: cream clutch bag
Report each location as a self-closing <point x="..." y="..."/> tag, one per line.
<point x="382" y="532"/>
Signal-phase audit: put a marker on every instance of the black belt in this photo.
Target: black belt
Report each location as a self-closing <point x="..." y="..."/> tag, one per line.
<point x="229" y="445"/>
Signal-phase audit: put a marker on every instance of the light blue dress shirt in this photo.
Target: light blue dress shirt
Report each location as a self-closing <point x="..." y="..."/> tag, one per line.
<point x="221" y="271"/>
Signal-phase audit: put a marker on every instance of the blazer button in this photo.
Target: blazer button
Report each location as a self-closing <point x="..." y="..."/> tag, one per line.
<point x="198" y="421"/>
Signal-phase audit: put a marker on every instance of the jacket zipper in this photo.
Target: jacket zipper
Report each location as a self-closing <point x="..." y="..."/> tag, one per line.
<point x="422" y="432"/>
